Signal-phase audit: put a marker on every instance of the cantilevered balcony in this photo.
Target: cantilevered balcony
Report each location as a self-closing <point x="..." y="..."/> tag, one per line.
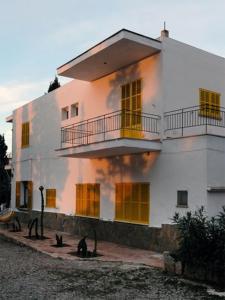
<point x="117" y="133"/>
<point x="195" y="120"/>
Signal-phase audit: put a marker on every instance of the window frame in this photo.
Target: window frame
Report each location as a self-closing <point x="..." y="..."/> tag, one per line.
<point x="50" y="196"/>
<point x="124" y="207"/>
<point x="25" y="135"/>
<point x="179" y="192"/>
<point x="86" y="206"/>
<point x="207" y="109"/>
<point x="65" y="113"/>
<point x="74" y="108"/>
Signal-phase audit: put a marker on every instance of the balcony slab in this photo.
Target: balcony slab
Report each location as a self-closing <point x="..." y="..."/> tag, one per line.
<point x="116" y="147"/>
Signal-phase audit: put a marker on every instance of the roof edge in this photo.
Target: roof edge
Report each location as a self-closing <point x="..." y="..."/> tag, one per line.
<point x="118" y="32"/>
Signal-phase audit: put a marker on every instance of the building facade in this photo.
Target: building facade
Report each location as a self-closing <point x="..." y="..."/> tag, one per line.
<point x="136" y="136"/>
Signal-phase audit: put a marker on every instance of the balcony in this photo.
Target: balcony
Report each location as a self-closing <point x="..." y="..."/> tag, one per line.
<point x="117" y="133"/>
<point x="196" y="120"/>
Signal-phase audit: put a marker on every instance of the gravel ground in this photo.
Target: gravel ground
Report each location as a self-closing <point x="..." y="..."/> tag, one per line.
<point x="25" y="274"/>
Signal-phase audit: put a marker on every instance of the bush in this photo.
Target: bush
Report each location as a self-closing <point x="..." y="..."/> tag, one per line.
<point x="201" y="241"/>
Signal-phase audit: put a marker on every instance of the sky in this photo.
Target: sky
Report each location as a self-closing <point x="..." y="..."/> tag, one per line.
<point x="39" y="36"/>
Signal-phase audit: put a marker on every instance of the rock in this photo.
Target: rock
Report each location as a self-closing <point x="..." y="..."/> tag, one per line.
<point x="169" y="262"/>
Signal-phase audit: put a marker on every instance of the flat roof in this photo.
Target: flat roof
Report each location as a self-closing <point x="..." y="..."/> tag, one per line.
<point x="9" y="119"/>
<point x="115" y="52"/>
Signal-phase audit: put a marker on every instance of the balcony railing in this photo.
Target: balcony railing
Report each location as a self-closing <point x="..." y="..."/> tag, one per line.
<point x="209" y="118"/>
<point x="119" y="124"/>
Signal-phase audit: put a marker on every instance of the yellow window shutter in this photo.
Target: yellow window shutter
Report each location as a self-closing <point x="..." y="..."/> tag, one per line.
<point x="17" y="194"/>
<point x="25" y="135"/>
<point x="132" y="202"/>
<point x="51" y="198"/>
<point x="88" y="199"/>
<point x="30" y="194"/>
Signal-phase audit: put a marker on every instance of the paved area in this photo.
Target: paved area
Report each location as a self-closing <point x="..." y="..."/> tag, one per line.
<point x="27" y="274"/>
<point x="108" y="251"/>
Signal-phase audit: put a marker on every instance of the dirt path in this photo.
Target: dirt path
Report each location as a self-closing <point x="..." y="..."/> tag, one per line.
<point x="25" y="274"/>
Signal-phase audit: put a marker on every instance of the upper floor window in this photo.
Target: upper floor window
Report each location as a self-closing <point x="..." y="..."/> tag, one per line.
<point x="74" y="110"/>
<point x="65" y="113"/>
<point x="25" y="137"/>
<point x="209" y="103"/>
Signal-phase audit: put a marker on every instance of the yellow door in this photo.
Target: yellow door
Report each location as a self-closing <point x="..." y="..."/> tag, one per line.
<point x="131" y="123"/>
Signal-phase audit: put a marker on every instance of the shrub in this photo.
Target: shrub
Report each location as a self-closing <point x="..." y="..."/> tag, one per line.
<point x="202" y="240"/>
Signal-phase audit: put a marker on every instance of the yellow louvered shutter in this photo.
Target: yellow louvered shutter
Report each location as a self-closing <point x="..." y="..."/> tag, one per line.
<point x="209" y="104"/>
<point x="25" y="138"/>
<point x="30" y="194"/>
<point x="51" y="198"/>
<point x="131" y="109"/>
<point x="18" y="194"/>
<point x="132" y="202"/>
<point x="88" y="199"/>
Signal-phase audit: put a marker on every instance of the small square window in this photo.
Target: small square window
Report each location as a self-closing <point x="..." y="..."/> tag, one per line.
<point x="74" y="110"/>
<point x="65" y="113"/>
<point x="182" y="198"/>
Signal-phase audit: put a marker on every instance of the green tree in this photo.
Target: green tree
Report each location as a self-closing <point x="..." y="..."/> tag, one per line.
<point x="4" y="177"/>
<point x="54" y="85"/>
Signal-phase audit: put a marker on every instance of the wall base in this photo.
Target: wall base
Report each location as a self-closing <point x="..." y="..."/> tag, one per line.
<point x="140" y="236"/>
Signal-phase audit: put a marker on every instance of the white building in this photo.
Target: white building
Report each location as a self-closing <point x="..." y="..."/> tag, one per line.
<point x="136" y="136"/>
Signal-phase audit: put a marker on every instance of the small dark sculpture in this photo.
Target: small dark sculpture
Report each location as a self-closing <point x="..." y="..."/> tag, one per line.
<point x="82" y="247"/>
<point x="59" y="240"/>
<point x="30" y="227"/>
<point x="41" y="188"/>
<point x="16" y="225"/>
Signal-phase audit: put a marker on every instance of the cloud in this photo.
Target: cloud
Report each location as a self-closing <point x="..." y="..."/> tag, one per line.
<point x="15" y="94"/>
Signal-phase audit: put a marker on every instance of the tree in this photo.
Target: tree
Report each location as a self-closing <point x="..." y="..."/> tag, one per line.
<point x="54" y="85"/>
<point x="4" y="177"/>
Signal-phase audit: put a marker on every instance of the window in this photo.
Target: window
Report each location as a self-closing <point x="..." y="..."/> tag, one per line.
<point x="25" y="137"/>
<point x="51" y="198"/>
<point x="209" y="104"/>
<point x="88" y="199"/>
<point x="65" y="113"/>
<point x="131" y="108"/>
<point x="132" y="202"/>
<point x="182" y="198"/>
<point x="74" y="110"/>
<point x="24" y="192"/>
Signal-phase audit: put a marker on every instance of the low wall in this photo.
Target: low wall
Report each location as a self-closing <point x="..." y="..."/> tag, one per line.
<point x="141" y="236"/>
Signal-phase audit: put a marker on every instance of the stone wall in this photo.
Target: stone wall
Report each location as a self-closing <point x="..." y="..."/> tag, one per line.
<point x="141" y="236"/>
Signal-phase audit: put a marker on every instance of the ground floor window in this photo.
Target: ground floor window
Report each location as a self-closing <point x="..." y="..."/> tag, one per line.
<point x="88" y="199"/>
<point x="182" y="198"/>
<point x="51" y="198"/>
<point x="24" y="194"/>
<point x="132" y="202"/>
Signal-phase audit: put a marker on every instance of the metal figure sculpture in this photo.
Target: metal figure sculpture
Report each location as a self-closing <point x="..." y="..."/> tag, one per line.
<point x="31" y="225"/>
<point x="59" y="240"/>
<point x="41" y="188"/>
<point x="82" y="247"/>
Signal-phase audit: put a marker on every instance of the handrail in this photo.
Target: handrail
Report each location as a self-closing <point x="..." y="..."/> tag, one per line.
<point x="195" y="116"/>
<point x="81" y="132"/>
<point x="112" y="113"/>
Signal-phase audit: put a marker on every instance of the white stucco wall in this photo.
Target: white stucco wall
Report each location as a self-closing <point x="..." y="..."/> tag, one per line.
<point x="170" y="80"/>
<point x="185" y="70"/>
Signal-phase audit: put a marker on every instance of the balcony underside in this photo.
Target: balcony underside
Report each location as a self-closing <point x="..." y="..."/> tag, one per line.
<point x="118" y="51"/>
<point x="123" y="146"/>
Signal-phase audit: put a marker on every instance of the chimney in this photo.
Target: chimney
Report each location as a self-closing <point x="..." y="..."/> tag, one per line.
<point x="164" y="32"/>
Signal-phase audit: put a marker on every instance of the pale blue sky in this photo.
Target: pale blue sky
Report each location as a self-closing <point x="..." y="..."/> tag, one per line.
<point x="38" y="36"/>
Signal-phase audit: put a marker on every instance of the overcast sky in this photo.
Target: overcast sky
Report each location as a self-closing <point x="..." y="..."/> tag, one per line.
<point x="38" y="36"/>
